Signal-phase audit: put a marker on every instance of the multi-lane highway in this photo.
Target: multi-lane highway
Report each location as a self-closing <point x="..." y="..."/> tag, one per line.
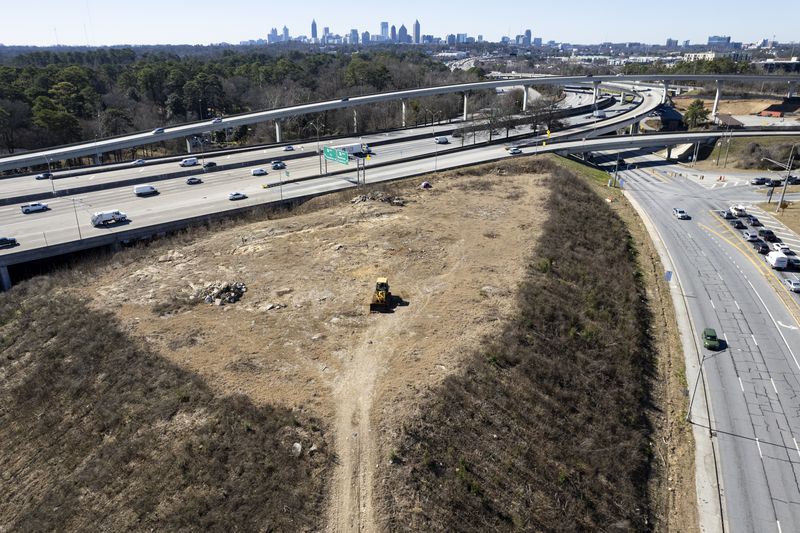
<point x="753" y="382"/>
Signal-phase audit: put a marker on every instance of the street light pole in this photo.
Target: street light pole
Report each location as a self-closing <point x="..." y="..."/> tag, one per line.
<point x="77" y="223"/>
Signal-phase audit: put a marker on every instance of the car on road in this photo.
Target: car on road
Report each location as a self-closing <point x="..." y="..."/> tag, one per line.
<point x="749" y="236"/>
<point x="138" y="162"/>
<point x="209" y="164"/>
<point x="193" y="181"/>
<point x="515" y="151"/>
<point x="258" y="172"/>
<point x="237" y="196"/>
<point x="793" y="262"/>
<point x="794" y="180"/>
<point x="758" y="181"/>
<point x="288" y="148"/>
<point x="761" y="247"/>
<point x="680" y="214"/>
<point x="44" y="176"/>
<point x="738" y="224"/>
<point x="7" y="242"/>
<point x="33" y="207"/>
<point x="216" y="120"/>
<point x="793" y="284"/>
<point x="278" y="165"/>
<point x="157" y="131"/>
<point x="753" y="221"/>
<point x="775" y="182"/>
<point x="710" y="339"/>
<point x="767" y="235"/>
<point x="727" y="215"/>
<point x="780" y="247"/>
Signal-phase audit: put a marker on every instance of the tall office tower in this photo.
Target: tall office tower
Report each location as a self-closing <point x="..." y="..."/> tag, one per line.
<point x="527" y="40"/>
<point x="417" y="39"/>
<point x="285" y="34"/>
<point x="365" y="38"/>
<point x="314" y="29"/>
<point x="402" y="34"/>
<point x="353" y="36"/>
<point x="393" y="34"/>
<point x="384" y="30"/>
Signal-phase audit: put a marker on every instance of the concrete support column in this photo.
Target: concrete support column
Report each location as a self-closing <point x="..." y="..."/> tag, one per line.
<point x="98" y="159"/>
<point x="790" y="93"/>
<point x="355" y="121"/>
<point x="666" y="93"/>
<point x="716" y="101"/>
<point x="278" y="136"/>
<point x="5" y="279"/>
<point x="465" y="107"/>
<point x="188" y="145"/>
<point x="403" y="104"/>
<point x="669" y="153"/>
<point x="595" y="91"/>
<point x="524" y="98"/>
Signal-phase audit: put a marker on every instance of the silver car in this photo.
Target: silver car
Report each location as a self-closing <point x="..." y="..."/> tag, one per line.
<point x="33" y="207"/>
<point x="793" y="285"/>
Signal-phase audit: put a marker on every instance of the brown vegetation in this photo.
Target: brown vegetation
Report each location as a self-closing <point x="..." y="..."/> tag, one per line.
<point x="101" y="434"/>
<point x="545" y="428"/>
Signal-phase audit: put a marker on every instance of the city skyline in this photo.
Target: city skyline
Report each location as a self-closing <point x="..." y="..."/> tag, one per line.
<point x="97" y="24"/>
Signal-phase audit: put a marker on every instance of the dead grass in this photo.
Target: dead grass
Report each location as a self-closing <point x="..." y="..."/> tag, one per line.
<point x="790" y="216"/>
<point x="545" y="428"/>
<point x="101" y="434"/>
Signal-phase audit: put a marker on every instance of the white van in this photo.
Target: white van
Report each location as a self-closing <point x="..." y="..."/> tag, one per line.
<point x="189" y="162"/>
<point x="777" y="260"/>
<point x="144" y="190"/>
<point x="441" y="140"/>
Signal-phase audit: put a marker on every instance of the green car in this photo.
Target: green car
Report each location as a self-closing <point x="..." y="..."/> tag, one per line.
<point x="710" y="339"/>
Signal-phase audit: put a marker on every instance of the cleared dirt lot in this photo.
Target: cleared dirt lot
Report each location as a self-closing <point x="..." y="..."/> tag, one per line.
<point x="302" y="336"/>
<point x="732" y="107"/>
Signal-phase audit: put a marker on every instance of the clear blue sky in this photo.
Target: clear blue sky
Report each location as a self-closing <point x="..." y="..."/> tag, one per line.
<point x="95" y="22"/>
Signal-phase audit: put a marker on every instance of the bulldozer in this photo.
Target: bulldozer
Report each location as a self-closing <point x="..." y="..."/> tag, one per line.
<point x="382" y="298"/>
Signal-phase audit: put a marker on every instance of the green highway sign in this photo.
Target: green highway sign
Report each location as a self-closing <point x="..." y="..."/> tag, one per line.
<point x="339" y="156"/>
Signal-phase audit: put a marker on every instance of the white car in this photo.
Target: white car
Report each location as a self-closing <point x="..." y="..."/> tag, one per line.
<point x="680" y="214"/>
<point x="33" y="207"/>
<point x="237" y="196"/>
<point x="258" y="172"/>
<point x="157" y="131"/>
<point x="792" y="284"/>
<point x="217" y="120"/>
<point x="750" y="236"/>
<point x="288" y="148"/>
<point x="780" y="247"/>
<point x="515" y="151"/>
<point x="138" y="162"/>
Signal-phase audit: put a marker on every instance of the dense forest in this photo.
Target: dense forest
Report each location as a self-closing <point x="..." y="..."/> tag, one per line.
<point x="49" y="98"/>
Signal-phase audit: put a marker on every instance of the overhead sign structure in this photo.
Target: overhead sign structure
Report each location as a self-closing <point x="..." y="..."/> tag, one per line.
<point x="331" y="154"/>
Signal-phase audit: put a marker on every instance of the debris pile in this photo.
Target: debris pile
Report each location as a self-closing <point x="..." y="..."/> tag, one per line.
<point x="379" y="197"/>
<point x="220" y="293"/>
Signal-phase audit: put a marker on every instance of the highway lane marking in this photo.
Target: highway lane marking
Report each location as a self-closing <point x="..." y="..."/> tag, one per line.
<point x="720" y="276"/>
<point x="773" y="385"/>
<point x="779" y="526"/>
<point x="742" y="387"/>
<point x="759" y="448"/>
<point x="754" y="339"/>
<point x="796" y="447"/>
<point x="781" y="324"/>
<point x="712" y="304"/>
<point x="737" y="305"/>
<point x="776" y="325"/>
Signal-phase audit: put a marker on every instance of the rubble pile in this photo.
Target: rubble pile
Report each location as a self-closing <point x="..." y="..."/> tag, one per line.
<point x="379" y="197"/>
<point x="220" y="293"/>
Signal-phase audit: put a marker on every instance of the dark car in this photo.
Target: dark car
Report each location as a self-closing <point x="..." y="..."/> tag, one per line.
<point x="738" y="224"/>
<point x="710" y="339"/>
<point x="767" y="235"/>
<point x="777" y="182"/>
<point x="758" y="181"/>
<point x="726" y="215"/>
<point x="44" y="176"/>
<point x="761" y="247"/>
<point x="793" y="262"/>
<point x="753" y="221"/>
<point x="794" y="180"/>
<point x="209" y="164"/>
<point x="7" y="242"/>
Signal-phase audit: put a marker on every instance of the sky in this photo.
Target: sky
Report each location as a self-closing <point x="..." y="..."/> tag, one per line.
<point x="111" y="22"/>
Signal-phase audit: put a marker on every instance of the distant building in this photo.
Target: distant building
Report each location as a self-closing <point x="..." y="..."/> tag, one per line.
<point x="285" y="34"/>
<point x="712" y="55"/>
<point x="537" y="41"/>
<point x="314" y="30"/>
<point x="273" y="36"/>
<point x="461" y="38"/>
<point x="353" y="36"/>
<point x="417" y="38"/>
<point x="480" y="38"/>
<point x="686" y="43"/>
<point x="384" y="30"/>
<point x="365" y="37"/>
<point x="451" y="39"/>
<point x="393" y="34"/>
<point x="402" y="34"/>
<point x="672" y="43"/>
<point x="719" y="40"/>
<point x="527" y="40"/>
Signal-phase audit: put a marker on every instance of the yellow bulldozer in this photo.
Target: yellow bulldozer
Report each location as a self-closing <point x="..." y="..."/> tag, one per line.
<point x="382" y="298"/>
